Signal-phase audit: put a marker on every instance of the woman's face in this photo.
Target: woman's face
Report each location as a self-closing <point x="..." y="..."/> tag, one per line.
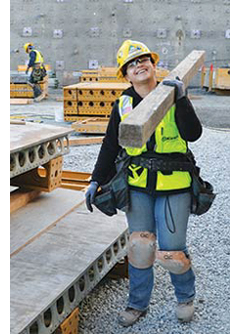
<point x="140" y="70"/>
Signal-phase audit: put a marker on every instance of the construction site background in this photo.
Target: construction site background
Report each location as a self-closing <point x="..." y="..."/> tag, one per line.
<point x="97" y="29"/>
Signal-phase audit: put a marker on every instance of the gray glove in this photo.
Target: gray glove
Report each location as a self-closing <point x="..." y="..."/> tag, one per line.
<point x="90" y="195"/>
<point x="179" y="87"/>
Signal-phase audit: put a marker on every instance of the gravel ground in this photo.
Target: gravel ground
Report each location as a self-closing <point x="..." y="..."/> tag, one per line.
<point x="208" y="235"/>
<point x="209" y="245"/>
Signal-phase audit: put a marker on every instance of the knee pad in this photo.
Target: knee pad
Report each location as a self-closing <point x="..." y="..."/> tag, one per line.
<point x="142" y="249"/>
<point x="174" y="261"/>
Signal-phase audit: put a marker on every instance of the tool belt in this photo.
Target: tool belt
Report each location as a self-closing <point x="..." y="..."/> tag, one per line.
<point x="202" y="191"/>
<point x="115" y="194"/>
<point x="38" y="72"/>
<point x="154" y="164"/>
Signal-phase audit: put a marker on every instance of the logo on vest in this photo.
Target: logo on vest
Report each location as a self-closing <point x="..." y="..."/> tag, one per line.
<point x="169" y="138"/>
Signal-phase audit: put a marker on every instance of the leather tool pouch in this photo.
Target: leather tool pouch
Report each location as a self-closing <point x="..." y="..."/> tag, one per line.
<point x="38" y="73"/>
<point x="115" y="194"/>
<point x="202" y="195"/>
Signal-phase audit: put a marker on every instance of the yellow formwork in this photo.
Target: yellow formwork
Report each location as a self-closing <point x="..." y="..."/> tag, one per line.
<point x="22" y="68"/>
<point x="91" y="98"/>
<point x="101" y="91"/>
<point x="95" y="107"/>
<point x="95" y="95"/>
<point x="161" y="73"/>
<point x="70" y="325"/>
<point x="21" y="90"/>
<point x="222" y="78"/>
<point x="216" y="79"/>
<point x="108" y="74"/>
<point x="70" y="104"/>
<point x="25" y="90"/>
<point x="96" y="78"/>
<point x="70" y="93"/>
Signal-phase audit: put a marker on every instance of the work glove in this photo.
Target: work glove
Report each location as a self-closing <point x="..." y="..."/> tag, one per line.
<point x="90" y="195"/>
<point x="179" y="87"/>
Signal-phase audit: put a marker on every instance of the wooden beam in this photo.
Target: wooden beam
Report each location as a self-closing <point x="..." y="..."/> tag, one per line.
<point x="17" y="122"/>
<point x="21" y="197"/>
<point x="21" y="101"/>
<point x="84" y="141"/>
<point x="137" y="128"/>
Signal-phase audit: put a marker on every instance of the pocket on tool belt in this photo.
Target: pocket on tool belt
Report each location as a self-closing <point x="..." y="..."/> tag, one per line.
<point x="202" y="196"/>
<point x="114" y="195"/>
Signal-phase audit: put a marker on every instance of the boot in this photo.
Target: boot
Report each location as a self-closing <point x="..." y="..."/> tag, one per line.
<point x="129" y="316"/>
<point x="185" y="311"/>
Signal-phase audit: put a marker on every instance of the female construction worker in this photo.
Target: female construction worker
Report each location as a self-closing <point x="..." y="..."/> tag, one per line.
<point x="36" y="61"/>
<point x="160" y="200"/>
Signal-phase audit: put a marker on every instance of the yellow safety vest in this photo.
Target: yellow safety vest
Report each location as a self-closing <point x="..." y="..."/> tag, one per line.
<point x="39" y="57"/>
<point x="168" y="140"/>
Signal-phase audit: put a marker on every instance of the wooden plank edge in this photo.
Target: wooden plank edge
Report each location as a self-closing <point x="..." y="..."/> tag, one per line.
<point x="84" y="141"/>
<point x="135" y="135"/>
<point x="46" y="229"/>
<point x="21" y="197"/>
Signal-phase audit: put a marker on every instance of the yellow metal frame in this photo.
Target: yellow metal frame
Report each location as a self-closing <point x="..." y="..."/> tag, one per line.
<point x="70" y="325"/>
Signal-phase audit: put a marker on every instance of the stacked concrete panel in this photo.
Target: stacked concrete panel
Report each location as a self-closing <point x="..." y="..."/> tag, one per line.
<point x="33" y="145"/>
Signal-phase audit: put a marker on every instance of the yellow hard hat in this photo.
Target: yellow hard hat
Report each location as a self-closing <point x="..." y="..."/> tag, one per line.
<point x="27" y="45"/>
<point x="130" y="50"/>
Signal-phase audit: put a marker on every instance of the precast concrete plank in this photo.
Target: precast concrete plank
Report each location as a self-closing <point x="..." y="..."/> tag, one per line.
<point x="40" y="213"/>
<point x="31" y="134"/>
<point x="45" y="268"/>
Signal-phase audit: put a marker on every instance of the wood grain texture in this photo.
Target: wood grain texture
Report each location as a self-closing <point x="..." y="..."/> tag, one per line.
<point x="21" y="197"/>
<point x="137" y="128"/>
<point x="34" y="218"/>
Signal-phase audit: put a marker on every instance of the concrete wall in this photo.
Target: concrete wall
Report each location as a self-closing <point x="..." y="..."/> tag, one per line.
<point x="79" y="34"/>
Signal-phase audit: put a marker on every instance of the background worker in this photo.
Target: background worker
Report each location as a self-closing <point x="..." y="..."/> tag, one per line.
<point x="36" y="61"/>
<point x="160" y="200"/>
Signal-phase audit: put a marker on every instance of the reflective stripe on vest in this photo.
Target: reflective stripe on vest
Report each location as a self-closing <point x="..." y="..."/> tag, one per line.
<point x="168" y="140"/>
<point x="39" y="58"/>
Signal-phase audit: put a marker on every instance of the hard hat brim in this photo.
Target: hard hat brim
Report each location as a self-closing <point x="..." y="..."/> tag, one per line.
<point x="26" y="46"/>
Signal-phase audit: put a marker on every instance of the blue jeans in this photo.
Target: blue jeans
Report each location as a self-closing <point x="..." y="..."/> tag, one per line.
<point x="166" y="217"/>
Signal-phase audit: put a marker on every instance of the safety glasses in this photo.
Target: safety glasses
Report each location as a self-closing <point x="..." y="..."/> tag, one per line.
<point x="141" y="60"/>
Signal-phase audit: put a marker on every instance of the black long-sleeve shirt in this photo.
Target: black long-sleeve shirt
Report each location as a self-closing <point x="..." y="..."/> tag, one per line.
<point x="187" y="122"/>
<point x="32" y="56"/>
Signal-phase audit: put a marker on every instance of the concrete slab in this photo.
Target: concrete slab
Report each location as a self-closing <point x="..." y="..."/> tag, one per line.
<point x="31" y="134"/>
<point x="56" y="260"/>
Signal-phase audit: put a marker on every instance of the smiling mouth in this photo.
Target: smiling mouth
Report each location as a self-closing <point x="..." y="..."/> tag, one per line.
<point x="141" y="71"/>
